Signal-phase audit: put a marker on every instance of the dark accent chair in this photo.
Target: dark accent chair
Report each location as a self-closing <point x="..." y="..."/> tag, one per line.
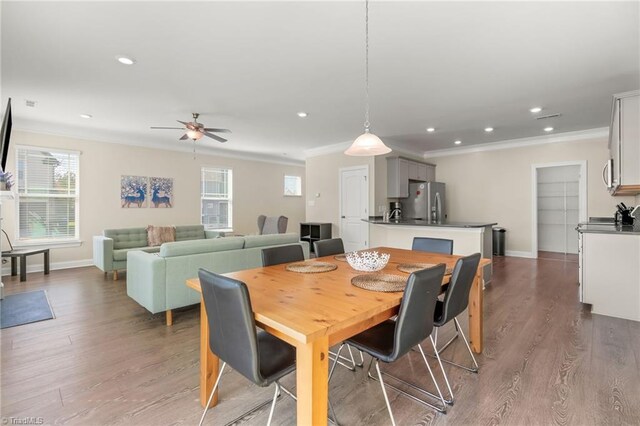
<point x="272" y="224"/>
<point x="390" y="340"/>
<point x="257" y="355"/>
<point x="456" y="300"/>
<point x="283" y="254"/>
<point x="432" y="245"/>
<point x="329" y="247"/>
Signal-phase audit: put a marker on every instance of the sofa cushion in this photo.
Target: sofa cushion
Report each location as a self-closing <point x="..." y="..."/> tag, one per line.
<point x="189" y="232"/>
<point x="127" y="237"/>
<point x="251" y="241"/>
<point x="121" y="254"/>
<point x="185" y="248"/>
<point x="158" y="235"/>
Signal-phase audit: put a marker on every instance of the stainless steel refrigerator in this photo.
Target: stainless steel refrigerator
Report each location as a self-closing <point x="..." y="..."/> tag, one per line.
<point x="425" y="202"/>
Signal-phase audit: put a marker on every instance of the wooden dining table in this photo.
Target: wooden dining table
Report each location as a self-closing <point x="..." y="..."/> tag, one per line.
<point x="313" y="312"/>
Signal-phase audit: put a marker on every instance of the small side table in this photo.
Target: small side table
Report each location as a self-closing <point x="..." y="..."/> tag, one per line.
<point x="22" y="254"/>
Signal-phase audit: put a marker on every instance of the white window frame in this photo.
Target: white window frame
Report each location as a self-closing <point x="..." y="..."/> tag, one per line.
<point x="229" y="199"/>
<point x="46" y="242"/>
<point x="284" y="185"/>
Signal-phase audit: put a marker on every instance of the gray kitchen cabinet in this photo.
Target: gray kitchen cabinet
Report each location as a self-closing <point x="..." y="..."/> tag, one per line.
<point x="413" y="170"/>
<point x="621" y="173"/>
<point x="402" y="170"/>
<point x="430" y="173"/>
<point x="397" y="177"/>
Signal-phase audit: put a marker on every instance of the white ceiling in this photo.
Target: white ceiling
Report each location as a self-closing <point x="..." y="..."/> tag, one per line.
<point x="250" y="66"/>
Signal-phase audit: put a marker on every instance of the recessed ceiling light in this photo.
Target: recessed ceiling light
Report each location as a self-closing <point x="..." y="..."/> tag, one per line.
<point x="431" y="129"/>
<point x="458" y="142"/>
<point x="303" y="114"/>
<point x="488" y="129"/>
<point x="125" y="61"/>
<point x="536" y="110"/>
<point x="86" y="115"/>
<point x="548" y="129"/>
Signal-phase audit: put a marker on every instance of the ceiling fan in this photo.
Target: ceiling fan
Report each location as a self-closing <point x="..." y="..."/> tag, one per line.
<point x="194" y="130"/>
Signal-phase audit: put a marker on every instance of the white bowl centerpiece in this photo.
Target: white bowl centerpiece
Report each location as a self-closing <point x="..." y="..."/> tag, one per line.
<point x="367" y="261"/>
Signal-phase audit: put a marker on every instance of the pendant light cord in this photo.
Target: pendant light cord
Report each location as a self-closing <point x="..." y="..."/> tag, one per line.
<point x="366" y="66"/>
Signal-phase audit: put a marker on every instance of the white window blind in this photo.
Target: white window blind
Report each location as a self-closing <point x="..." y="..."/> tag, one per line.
<point x="47" y="194"/>
<point x="216" y="198"/>
<point x="292" y="186"/>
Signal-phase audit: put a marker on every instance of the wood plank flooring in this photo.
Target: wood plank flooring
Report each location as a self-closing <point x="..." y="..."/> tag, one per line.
<point x="105" y="360"/>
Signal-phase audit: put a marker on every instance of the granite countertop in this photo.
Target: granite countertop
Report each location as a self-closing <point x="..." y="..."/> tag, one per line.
<point x="600" y="228"/>
<point x="415" y="222"/>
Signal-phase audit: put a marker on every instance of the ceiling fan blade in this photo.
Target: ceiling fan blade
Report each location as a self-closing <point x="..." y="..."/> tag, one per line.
<point x="173" y="128"/>
<point x="182" y="122"/>
<point x="210" y="129"/>
<point x="184" y="137"/>
<point x="218" y="138"/>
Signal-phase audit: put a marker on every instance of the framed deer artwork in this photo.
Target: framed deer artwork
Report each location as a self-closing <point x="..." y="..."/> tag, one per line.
<point x="161" y="192"/>
<point x="134" y="192"/>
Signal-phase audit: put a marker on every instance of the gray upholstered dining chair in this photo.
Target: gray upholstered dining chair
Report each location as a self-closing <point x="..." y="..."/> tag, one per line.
<point x="257" y="355"/>
<point x="390" y="340"/>
<point x="328" y="247"/>
<point x="432" y="245"/>
<point x="272" y="224"/>
<point x="456" y="300"/>
<point x="282" y="254"/>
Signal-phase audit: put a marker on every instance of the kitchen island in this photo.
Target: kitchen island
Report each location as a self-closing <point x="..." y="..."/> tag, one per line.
<point x="468" y="237"/>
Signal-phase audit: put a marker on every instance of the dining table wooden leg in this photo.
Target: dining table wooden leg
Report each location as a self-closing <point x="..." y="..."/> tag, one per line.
<point x="312" y="366"/>
<point x="209" y="363"/>
<point x="475" y="313"/>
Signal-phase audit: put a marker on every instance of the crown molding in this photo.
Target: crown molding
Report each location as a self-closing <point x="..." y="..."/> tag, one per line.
<point x="201" y="149"/>
<point x="577" y="136"/>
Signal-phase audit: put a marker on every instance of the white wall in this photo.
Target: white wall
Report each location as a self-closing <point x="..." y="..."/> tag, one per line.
<point x="496" y="185"/>
<point x="257" y="189"/>
<point x="322" y="177"/>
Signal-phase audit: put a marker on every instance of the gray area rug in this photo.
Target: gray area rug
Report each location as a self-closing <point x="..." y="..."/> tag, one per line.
<point x="25" y="308"/>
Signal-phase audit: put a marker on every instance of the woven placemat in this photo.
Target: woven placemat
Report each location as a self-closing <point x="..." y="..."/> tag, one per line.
<point x="380" y="282"/>
<point x="410" y="268"/>
<point x="311" y="267"/>
<point x="341" y="257"/>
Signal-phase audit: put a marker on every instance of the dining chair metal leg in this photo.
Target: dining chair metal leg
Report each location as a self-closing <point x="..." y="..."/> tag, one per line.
<point x="459" y="332"/>
<point x="466" y="342"/>
<point x="335" y="361"/>
<point x="384" y="392"/>
<point x="441" y="409"/>
<point x="213" y="391"/>
<point x="444" y="373"/>
<point x="273" y="404"/>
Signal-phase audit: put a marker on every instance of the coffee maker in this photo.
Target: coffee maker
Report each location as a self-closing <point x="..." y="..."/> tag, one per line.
<point x="395" y="210"/>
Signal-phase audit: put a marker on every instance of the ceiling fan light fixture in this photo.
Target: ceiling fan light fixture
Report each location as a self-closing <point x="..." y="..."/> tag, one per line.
<point x="194" y="134"/>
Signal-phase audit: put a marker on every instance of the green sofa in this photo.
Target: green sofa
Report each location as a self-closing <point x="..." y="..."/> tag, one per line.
<point x="157" y="280"/>
<point x="110" y="249"/>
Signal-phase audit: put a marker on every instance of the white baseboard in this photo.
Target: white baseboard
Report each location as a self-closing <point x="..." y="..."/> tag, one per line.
<point x="526" y="254"/>
<point x="39" y="267"/>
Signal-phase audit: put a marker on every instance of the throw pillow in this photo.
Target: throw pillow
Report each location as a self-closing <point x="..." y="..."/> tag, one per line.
<point x="156" y="235"/>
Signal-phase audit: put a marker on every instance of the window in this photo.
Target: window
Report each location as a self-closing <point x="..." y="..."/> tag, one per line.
<point x="292" y="186"/>
<point x="47" y="194"/>
<point x="216" y="198"/>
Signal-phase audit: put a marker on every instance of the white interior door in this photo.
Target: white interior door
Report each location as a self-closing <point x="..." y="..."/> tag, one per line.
<point x="354" y="204"/>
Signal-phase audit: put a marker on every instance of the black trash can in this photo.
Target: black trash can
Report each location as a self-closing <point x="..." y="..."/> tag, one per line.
<point x="498" y="241"/>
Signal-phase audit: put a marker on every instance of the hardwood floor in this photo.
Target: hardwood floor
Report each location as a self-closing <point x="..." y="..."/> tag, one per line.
<point x="106" y="360"/>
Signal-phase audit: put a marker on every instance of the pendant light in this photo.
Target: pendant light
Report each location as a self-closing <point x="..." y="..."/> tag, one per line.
<point x="367" y="143"/>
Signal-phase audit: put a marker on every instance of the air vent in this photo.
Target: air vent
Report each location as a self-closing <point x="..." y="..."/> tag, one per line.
<point x="546" y="117"/>
<point x="31" y="104"/>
